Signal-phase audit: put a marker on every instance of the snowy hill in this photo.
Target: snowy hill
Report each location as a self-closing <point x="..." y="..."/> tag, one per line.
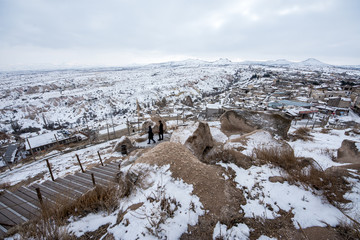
<point x="312" y="62"/>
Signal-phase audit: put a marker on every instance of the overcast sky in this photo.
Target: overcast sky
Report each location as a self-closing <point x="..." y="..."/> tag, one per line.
<point x="40" y="33"/>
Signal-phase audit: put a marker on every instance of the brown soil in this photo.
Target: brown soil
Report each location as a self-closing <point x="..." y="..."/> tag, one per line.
<point x="220" y="197"/>
<point x="319" y="233"/>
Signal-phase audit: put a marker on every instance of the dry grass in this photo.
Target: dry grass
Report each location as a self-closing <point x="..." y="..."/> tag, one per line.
<point x="302" y="133"/>
<point x="325" y="130"/>
<point x="348" y="231"/>
<point x="332" y="184"/>
<point x="280" y="227"/>
<point x="228" y="156"/>
<point x="282" y="157"/>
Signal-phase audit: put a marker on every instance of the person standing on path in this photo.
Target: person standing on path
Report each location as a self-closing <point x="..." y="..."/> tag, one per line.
<point x="161" y="131"/>
<point x="150" y="135"/>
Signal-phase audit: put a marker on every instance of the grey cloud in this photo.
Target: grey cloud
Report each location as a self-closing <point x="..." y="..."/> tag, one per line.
<point x="243" y="29"/>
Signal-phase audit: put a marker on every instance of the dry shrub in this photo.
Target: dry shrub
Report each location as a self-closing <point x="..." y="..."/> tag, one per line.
<point x="302" y="133"/>
<point x="331" y="184"/>
<point x="280" y="227"/>
<point x="282" y="157"/>
<point x="330" y="153"/>
<point x="325" y="130"/>
<point x="5" y="185"/>
<point x="348" y="231"/>
<point x="228" y="156"/>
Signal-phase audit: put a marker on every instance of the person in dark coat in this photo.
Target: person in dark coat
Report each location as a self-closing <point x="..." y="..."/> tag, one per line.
<point x="151" y="135"/>
<point x="161" y="131"/>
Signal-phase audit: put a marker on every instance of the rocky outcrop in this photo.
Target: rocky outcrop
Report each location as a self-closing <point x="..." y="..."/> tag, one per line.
<point x="124" y="141"/>
<point x="349" y="152"/>
<point x="196" y="137"/>
<point x="187" y="101"/>
<point x="245" y="121"/>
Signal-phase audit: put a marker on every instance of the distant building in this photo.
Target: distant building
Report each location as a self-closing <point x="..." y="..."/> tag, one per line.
<point x="339" y="102"/>
<point x="288" y="104"/>
<point x="213" y="110"/>
<point x="47" y="140"/>
<point x="10" y="154"/>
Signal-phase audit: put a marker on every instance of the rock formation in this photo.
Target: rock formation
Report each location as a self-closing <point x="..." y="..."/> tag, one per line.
<point x="196" y="137"/>
<point x="244" y="121"/>
<point x="349" y="152"/>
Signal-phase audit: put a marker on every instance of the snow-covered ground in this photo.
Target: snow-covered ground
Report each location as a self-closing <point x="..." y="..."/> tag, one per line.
<point x="61" y="164"/>
<point x="149" y="217"/>
<point x="87" y="98"/>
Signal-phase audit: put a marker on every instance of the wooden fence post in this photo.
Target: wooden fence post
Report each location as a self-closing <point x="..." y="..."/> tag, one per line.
<point x="107" y="127"/>
<point x="57" y="141"/>
<point x="51" y="174"/>
<point x="128" y="126"/>
<point x="77" y="156"/>
<point x="39" y="195"/>
<point x="100" y="158"/>
<point x="32" y="153"/>
<point x="93" y="179"/>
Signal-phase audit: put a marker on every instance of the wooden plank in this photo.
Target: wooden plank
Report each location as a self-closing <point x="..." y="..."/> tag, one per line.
<point x="79" y="180"/>
<point x="12" y="215"/>
<point x="68" y="188"/>
<point x="16" y="205"/>
<point x="110" y="170"/>
<point x="87" y="177"/>
<point x="102" y="176"/>
<point x="73" y="184"/>
<point x="32" y="192"/>
<point x="50" y="195"/>
<point x="113" y="164"/>
<point x="25" y="204"/>
<point x="103" y="171"/>
<point x="56" y="196"/>
<point x="65" y="192"/>
<point x="28" y="198"/>
<point x="6" y="222"/>
<point x="68" y="191"/>
<point x="3" y="231"/>
<point x="99" y="178"/>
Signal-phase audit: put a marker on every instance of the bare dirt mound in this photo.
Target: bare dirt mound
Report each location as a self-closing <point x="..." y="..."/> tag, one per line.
<point x="245" y="121"/>
<point x="219" y="196"/>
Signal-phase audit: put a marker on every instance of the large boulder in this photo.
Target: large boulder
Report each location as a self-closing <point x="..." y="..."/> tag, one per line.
<point x="187" y="101"/>
<point x="196" y="137"/>
<point x="245" y="121"/>
<point x="123" y="141"/>
<point x="349" y="152"/>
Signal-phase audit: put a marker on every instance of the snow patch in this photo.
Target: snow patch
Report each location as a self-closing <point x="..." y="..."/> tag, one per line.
<point x="239" y="231"/>
<point x="264" y="198"/>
